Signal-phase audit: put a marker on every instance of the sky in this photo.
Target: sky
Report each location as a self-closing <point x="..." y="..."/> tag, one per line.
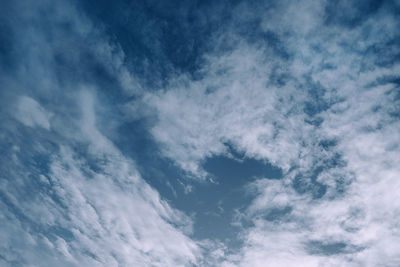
<point x="200" y="133"/>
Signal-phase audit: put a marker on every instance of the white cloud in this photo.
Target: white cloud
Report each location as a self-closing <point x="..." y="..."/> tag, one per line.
<point x="235" y="102"/>
<point x="231" y="104"/>
<point x="118" y="218"/>
<point x="108" y="215"/>
<point x="111" y="215"/>
<point x="56" y="208"/>
<point x="31" y="113"/>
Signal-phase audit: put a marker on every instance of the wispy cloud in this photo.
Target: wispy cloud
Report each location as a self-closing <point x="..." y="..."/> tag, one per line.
<point x="30" y="113"/>
<point x="304" y="86"/>
<point x="327" y="116"/>
<point x="68" y="196"/>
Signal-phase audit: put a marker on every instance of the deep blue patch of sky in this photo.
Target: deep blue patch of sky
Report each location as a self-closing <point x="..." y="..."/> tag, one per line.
<point x="159" y="38"/>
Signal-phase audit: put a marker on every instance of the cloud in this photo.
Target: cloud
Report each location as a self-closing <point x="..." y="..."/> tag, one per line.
<point x="68" y="196"/>
<point x="30" y="113"/>
<point x="298" y="85"/>
<point x="90" y="215"/>
<point x="325" y="116"/>
<point x="230" y="104"/>
<point x="116" y="217"/>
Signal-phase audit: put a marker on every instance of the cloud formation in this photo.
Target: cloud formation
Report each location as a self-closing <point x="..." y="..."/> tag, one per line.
<point x="313" y="99"/>
<point x="311" y="88"/>
<point x="68" y="195"/>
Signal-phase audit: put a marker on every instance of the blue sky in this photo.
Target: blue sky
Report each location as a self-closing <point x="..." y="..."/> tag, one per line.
<point x="209" y="133"/>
